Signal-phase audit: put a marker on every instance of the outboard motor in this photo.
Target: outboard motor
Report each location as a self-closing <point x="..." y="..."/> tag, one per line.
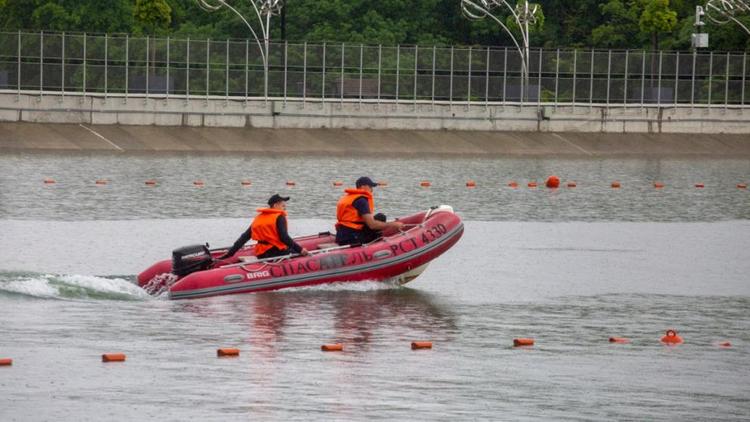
<point x="190" y="259"/>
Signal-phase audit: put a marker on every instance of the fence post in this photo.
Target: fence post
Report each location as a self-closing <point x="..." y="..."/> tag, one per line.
<point x="41" y="63"/>
<point x="361" y="65"/>
<point x="710" y="76"/>
<point x="434" y="55"/>
<point x="450" y="90"/>
<point x="168" y="65"/>
<point x="398" y="71"/>
<point x="416" y="70"/>
<point x="106" y="60"/>
<point x="380" y="57"/>
<point x="505" y="72"/>
<point x="187" y="70"/>
<point x="208" y="66"/>
<point x="226" y="77"/>
<point x="147" y="64"/>
<point x="323" y="88"/>
<point x="18" y="74"/>
<point x="643" y="77"/>
<point x="658" y="84"/>
<point x="625" y="89"/>
<point x="676" y="78"/>
<point x="62" y="68"/>
<point x="468" y="94"/>
<point x="692" y="83"/>
<point x="84" y="64"/>
<point x="304" y="73"/>
<point x="557" y="76"/>
<point x="726" y="86"/>
<point x="744" y="69"/>
<point x="127" y="65"/>
<point x="487" y="80"/>
<point x="539" y="82"/>
<point x="286" y="69"/>
<point x="247" y="68"/>
<point x="575" y="74"/>
<point x="591" y="82"/>
<point x="342" y="73"/>
<point x="609" y="74"/>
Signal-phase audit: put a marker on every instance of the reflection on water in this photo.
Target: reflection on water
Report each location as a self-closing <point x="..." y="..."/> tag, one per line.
<point x="76" y="197"/>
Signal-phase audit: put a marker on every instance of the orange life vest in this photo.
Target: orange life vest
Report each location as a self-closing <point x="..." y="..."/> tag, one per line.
<point x="346" y="214"/>
<point x="264" y="230"/>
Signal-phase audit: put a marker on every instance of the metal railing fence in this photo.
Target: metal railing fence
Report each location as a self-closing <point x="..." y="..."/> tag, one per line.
<point x="120" y="65"/>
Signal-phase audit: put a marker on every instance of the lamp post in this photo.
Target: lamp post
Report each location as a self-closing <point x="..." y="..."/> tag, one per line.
<point x="264" y="9"/>
<point x="524" y="15"/>
<point x="725" y="11"/>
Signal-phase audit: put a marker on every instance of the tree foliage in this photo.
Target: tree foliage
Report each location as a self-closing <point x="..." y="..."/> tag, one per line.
<point x="566" y="23"/>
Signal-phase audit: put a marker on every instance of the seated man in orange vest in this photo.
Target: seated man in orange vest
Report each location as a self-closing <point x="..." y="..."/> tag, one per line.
<point x="354" y="212"/>
<point x="269" y="230"/>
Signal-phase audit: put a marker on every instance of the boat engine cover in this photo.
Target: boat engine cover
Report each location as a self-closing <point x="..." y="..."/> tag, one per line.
<point x="190" y="259"/>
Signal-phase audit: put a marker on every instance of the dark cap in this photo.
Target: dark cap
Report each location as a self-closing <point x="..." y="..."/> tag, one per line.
<point x="365" y="181"/>
<point x="276" y="198"/>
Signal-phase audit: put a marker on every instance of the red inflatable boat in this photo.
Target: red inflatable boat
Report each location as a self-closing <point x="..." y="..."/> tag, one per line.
<point x="401" y="256"/>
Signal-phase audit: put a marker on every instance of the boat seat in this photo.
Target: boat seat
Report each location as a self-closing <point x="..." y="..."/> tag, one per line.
<point x="327" y="245"/>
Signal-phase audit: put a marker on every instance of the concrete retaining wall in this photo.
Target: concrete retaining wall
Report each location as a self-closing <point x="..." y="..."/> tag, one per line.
<point x="277" y="114"/>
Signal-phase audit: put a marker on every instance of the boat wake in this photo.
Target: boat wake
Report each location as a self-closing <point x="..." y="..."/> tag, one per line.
<point x="69" y="286"/>
<point x="345" y="286"/>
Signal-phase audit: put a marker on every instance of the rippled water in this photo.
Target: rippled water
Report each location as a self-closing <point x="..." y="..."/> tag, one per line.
<point x="569" y="267"/>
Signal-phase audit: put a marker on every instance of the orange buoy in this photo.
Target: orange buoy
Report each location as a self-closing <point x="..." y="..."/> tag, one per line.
<point x="513" y="184"/>
<point x="246" y="183"/>
<point x="615" y="185"/>
<point x="741" y="186"/>
<point x="291" y="183"/>
<point x="101" y="182"/>
<point x="532" y="184"/>
<point x="227" y="351"/>
<point x="725" y="344"/>
<point x="383" y="184"/>
<point x="671" y="337"/>
<point x="338" y="183"/>
<point x="553" y="182"/>
<point x="421" y="345"/>
<point x="471" y="184"/>
<point x="337" y="347"/>
<point x="151" y="182"/>
<point x="658" y="185"/>
<point x="49" y="181"/>
<point x="113" y="357"/>
<point x="6" y="362"/>
<point x="425" y="184"/>
<point x="700" y="185"/>
<point x="198" y="183"/>
<point x="572" y="184"/>
<point x="517" y="342"/>
<point x="622" y="340"/>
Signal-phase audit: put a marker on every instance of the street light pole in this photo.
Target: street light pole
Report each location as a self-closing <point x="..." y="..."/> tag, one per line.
<point x="725" y="11"/>
<point x="264" y="9"/>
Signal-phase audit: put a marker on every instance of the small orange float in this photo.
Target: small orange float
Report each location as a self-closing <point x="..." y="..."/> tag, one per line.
<point x="246" y="183"/>
<point x="615" y="185"/>
<point x="513" y="185"/>
<point x="6" y="362"/>
<point x="151" y="182"/>
<point x="49" y="181"/>
<point x="725" y="344"/>
<point x="101" y="182"/>
<point x="425" y="184"/>
<point x="741" y="186"/>
<point x="227" y="351"/>
<point x="291" y="183"/>
<point x="517" y="342"/>
<point x="336" y="347"/>
<point x="338" y="183"/>
<point x="198" y="183"/>
<point x="658" y="185"/>
<point x="113" y="357"/>
<point x="553" y="182"/>
<point x="671" y="337"/>
<point x="700" y="185"/>
<point x="572" y="184"/>
<point x="471" y="184"/>
<point x="532" y="185"/>
<point x="622" y="340"/>
<point x="421" y="345"/>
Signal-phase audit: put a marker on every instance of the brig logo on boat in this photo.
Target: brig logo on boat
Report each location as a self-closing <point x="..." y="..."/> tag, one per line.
<point x="258" y="274"/>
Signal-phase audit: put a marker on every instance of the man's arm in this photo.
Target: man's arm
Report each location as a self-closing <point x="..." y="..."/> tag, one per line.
<point x="284" y="236"/>
<point x="238" y="244"/>
<point x="363" y="208"/>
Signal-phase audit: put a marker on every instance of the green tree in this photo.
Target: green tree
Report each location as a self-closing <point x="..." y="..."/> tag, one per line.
<point x="620" y="27"/>
<point x="657" y="17"/>
<point x="153" y="16"/>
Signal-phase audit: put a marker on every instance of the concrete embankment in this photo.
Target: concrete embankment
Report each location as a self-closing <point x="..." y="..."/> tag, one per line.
<point x="54" y="122"/>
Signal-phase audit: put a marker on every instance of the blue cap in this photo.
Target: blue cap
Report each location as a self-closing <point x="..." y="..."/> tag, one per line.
<point x="365" y="181"/>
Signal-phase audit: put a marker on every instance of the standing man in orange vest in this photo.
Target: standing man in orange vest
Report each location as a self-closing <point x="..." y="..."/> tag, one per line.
<point x="269" y="230"/>
<point x="354" y="212"/>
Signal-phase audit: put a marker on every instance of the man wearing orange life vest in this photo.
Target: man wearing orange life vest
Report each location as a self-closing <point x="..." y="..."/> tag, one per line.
<point x="354" y="212"/>
<point x="269" y="231"/>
